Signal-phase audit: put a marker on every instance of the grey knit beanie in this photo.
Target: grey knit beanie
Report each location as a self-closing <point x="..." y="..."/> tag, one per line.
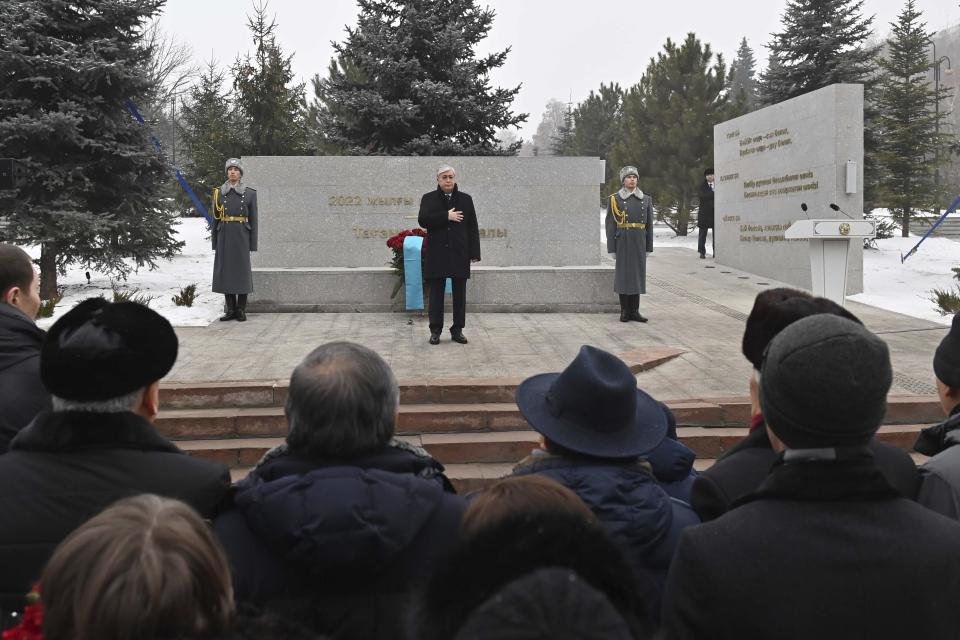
<point x="824" y="383"/>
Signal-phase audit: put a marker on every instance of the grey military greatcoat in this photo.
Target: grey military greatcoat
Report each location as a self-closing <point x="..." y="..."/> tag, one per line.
<point x="630" y="237"/>
<point x="234" y="236"/>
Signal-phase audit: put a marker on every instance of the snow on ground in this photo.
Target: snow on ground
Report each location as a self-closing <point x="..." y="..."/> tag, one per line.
<point x="193" y="265"/>
<point x="888" y="284"/>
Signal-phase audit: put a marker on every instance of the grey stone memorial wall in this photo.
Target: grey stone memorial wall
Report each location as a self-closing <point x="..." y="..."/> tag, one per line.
<point x="805" y="150"/>
<point x="324" y="223"/>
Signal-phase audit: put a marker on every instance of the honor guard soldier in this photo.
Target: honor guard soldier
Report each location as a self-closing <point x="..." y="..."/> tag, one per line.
<point x="629" y="226"/>
<point x="234" y="236"/>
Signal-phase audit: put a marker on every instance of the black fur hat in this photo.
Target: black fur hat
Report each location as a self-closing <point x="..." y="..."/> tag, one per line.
<point x="100" y="350"/>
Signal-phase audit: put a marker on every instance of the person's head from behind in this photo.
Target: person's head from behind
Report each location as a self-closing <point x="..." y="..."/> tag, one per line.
<point x="824" y="384"/>
<point x="773" y="311"/>
<point x="19" y="283"/>
<point x="531" y="495"/>
<point x="104" y="357"/>
<point x="144" y="568"/>
<point x="946" y="367"/>
<point x="342" y="402"/>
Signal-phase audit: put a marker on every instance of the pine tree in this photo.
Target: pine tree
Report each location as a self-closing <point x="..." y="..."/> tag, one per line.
<point x="407" y="81"/>
<point x="210" y="132"/>
<point x="271" y="107"/>
<point x="822" y="43"/>
<point x="596" y="124"/>
<point x="562" y="143"/>
<point x="550" y="123"/>
<point x="92" y="193"/>
<point x="743" y="80"/>
<point x="907" y="120"/>
<point x="668" y="121"/>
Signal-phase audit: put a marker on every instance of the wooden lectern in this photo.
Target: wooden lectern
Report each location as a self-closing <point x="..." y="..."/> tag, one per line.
<point x="829" y="246"/>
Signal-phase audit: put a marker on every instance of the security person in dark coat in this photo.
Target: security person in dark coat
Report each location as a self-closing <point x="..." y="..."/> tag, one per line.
<point x="234" y="236"/>
<point x="101" y="362"/>
<point x="22" y="396"/>
<point x="336" y="527"/>
<point x="744" y="467"/>
<point x="453" y="242"/>
<point x="629" y="226"/>
<point x="705" y="215"/>
<point x="825" y="547"/>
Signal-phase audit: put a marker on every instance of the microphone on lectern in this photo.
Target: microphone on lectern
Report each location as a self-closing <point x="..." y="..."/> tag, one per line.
<point x="837" y="208"/>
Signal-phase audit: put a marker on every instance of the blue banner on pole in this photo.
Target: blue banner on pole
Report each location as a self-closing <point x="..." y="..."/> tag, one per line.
<point x="413" y="274"/>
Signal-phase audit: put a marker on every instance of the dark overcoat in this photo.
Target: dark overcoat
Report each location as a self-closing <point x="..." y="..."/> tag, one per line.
<point x="824" y="549"/>
<point x="339" y="546"/>
<point x="940" y="475"/>
<point x="630" y="244"/>
<point x="450" y="245"/>
<point x="233" y="241"/>
<point x="743" y="468"/>
<point x="66" y="467"/>
<point x="705" y="210"/>
<point x="22" y="395"/>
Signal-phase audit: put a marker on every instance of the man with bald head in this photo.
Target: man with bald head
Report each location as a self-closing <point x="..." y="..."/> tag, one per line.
<point x="453" y="242"/>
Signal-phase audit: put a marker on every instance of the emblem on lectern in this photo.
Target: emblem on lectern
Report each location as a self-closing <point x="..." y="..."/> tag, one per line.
<point x="844" y="228"/>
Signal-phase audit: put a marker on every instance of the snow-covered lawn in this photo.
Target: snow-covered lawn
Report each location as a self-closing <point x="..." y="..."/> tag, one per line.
<point x="888" y="284"/>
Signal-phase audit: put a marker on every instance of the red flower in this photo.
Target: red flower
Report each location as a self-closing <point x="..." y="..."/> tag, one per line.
<point x="31" y="624"/>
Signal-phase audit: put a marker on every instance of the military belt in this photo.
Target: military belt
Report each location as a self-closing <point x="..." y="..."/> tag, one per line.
<point x="234" y="219"/>
<point x="631" y="225"/>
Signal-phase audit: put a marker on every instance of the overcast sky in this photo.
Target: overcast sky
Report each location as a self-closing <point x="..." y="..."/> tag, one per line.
<point x="560" y="48"/>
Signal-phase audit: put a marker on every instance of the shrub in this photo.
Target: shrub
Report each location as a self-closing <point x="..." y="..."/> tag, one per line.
<point x="47" y="306"/>
<point x="947" y="301"/>
<point x="130" y="295"/>
<point x="186" y="296"/>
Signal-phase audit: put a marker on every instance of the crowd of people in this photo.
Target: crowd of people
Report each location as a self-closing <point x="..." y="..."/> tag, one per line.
<point x="808" y="527"/>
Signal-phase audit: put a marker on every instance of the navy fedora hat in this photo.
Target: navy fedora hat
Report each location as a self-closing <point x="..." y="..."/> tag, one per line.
<point x="593" y="407"/>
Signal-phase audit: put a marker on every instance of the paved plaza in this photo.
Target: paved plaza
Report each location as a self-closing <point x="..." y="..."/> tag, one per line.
<point x="694" y="305"/>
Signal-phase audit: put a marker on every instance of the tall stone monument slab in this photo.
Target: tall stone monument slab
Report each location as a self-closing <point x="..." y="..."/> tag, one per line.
<point x="324" y="223"/>
<point x="808" y="150"/>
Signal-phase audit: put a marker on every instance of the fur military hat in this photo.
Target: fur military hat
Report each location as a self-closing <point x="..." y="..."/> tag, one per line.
<point x="946" y="359"/>
<point x="774" y="310"/>
<point x="233" y="162"/>
<point x="100" y="350"/>
<point x="628" y="171"/>
<point x="824" y="383"/>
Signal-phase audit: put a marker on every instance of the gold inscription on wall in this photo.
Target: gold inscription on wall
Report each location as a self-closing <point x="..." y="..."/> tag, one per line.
<point x="370" y="201"/>
<point x="780" y="185"/>
<point x="370" y="233"/>
<point x="765" y="142"/>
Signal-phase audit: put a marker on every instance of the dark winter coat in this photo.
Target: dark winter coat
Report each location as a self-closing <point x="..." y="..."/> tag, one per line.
<point x="489" y="559"/>
<point x="339" y="546"/>
<point x="450" y="245"/>
<point x="233" y="241"/>
<point x="672" y="462"/>
<point x="22" y="395"/>
<point x="746" y="465"/>
<point x="636" y="512"/>
<point x="705" y="210"/>
<point x="940" y="475"/>
<point x="823" y="549"/>
<point x="66" y="467"/>
<point x="630" y="244"/>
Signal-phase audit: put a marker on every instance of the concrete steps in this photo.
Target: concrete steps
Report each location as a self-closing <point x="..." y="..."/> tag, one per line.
<point x="473" y="427"/>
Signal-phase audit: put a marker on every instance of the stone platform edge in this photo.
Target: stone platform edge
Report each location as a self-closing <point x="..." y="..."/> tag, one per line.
<point x="545" y="289"/>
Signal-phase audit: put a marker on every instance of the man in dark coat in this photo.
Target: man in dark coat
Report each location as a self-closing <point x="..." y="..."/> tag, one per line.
<point x="234" y="236"/>
<point x="336" y="527"/>
<point x="705" y="215"/>
<point x="101" y="363"/>
<point x="940" y="475"/>
<point x="744" y="467"/>
<point x="453" y="242"/>
<point x="629" y="226"/>
<point x="825" y="547"/>
<point x="22" y="395"/>
<point x="597" y="428"/>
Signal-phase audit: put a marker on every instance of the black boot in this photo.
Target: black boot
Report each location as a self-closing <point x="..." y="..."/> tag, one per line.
<point x="635" y="308"/>
<point x="624" y="308"/>
<point x="231" y="307"/>
<point x="242" y="307"/>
